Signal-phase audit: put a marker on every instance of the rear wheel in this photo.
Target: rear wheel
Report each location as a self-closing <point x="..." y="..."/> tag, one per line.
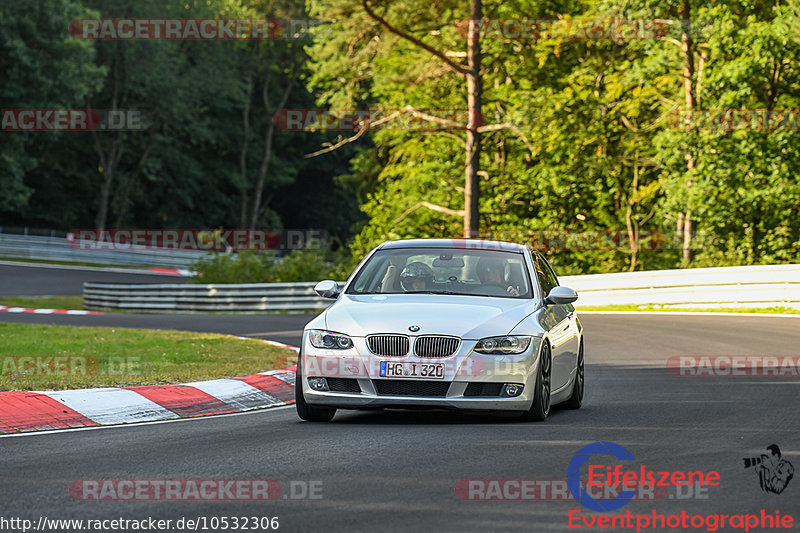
<point x="304" y="410"/>
<point x="576" y="400"/>
<point x="541" y="399"/>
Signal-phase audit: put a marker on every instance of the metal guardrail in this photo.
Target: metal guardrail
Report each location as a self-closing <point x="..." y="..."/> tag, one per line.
<point x="745" y="286"/>
<point x="58" y="249"/>
<point x="751" y="286"/>
<point x="191" y="298"/>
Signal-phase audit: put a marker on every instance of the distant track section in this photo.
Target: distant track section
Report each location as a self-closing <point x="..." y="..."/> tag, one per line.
<point x="34" y="279"/>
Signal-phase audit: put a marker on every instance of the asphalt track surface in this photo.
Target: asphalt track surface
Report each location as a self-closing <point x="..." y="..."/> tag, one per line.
<point x="397" y="470"/>
<point x="55" y="280"/>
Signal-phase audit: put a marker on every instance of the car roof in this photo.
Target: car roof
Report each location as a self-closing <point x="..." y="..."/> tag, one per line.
<point x="460" y="244"/>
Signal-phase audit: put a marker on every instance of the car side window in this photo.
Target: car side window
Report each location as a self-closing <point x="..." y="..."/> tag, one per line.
<point x="551" y="271"/>
<point x="545" y="274"/>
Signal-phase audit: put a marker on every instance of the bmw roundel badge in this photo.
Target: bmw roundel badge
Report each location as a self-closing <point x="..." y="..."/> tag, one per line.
<point x="413" y="328"/>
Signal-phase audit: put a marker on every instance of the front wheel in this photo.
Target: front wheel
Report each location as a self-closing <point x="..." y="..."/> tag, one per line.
<point x="541" y="399"/>
<point x="304" y="410"/>
<point x="576" y="399"/>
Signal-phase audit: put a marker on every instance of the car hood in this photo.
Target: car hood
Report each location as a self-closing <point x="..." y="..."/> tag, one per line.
<point x="468" y="317"/>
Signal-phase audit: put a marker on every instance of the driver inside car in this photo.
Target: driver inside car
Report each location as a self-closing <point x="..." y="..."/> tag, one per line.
<point x="416" y="276"/>
<point x="493" y="272"/>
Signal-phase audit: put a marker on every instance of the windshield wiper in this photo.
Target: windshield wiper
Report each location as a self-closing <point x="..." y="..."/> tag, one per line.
<point x="433" y="292"/>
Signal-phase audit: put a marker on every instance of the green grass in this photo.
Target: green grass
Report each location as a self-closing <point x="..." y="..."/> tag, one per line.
<point x="115" y="357"/>
<point x="632" y="307"/>
<point x="43" y="302"/>
<point x="76" y="302"/>
<point x="67" y="263"/>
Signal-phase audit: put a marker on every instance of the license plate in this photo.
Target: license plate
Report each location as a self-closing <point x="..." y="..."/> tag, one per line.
<point x="394" y="369"/>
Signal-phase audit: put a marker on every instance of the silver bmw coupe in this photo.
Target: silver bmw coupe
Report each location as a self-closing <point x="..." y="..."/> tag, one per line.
<point x="444" y="324"/>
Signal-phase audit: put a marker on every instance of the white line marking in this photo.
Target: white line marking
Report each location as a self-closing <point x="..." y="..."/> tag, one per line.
<point x="111" y="406"/>
<point x="284" y="375"/>
<point x="235" y="393"/>
<point x="85" y="268"/>
<point x="286" y="332"/>
<point x="685" y="313"/>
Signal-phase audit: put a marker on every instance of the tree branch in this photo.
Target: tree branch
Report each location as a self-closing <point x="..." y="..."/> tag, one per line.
<point x="452" y="64"/>
<point x="512" y="127"/>
<point x="434" y="207"/>
<point x="364" y="127"/>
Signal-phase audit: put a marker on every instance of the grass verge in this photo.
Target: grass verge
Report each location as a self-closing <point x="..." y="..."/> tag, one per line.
<point x="773" y="310"/>
<point x="43" y="302"/>
<point x="76" y="302"/>
<point x="67" y="263"/>
<point x="66" y="357"/>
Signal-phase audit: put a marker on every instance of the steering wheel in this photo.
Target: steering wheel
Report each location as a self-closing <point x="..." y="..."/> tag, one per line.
<point x="495" y="289"/>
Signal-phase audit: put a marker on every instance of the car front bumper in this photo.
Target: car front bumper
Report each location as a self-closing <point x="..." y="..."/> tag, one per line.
<point x="465" y="367"/>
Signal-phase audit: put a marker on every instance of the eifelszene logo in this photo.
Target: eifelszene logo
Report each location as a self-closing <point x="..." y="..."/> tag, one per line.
<point x="774" y="472"/>
<point x="607" y="476"/>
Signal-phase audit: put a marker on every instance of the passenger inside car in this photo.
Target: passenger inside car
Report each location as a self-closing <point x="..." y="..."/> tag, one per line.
<point x="492" y="272"/>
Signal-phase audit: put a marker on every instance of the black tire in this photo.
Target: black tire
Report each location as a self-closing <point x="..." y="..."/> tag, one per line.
<point x="305" y="411"/>
<point x="576" y="399"/>
<point x="541" y="398"/>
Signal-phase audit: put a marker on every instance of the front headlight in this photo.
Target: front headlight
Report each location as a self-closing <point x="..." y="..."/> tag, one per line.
<point x="503" y="345"/>
<point x="328" y="339"/>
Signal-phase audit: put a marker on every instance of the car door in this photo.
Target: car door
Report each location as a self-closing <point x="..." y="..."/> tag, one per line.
<point x="563" y="333"/>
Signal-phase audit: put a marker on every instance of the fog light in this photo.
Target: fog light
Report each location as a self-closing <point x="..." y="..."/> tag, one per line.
<point x="318" y="384"/>
<point x="512" y="389"/>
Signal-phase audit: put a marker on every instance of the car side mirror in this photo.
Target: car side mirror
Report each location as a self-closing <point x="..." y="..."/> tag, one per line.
<point x="561" y="296"/>
<point x="327" y="289"/>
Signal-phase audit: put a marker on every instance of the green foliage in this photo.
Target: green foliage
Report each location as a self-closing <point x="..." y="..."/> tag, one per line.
<point x="43" y="68"/>
<point x="250" y="267"/>
<point x="593" y="147"/>
<point x="584" y="139"/>
<point x="184" y="171"/>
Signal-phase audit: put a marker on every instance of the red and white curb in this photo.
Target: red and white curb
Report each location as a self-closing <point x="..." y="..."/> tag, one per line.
<point x="174" y="271"/>
<point x="47" y="410"/>
<point x="6" y="309"/>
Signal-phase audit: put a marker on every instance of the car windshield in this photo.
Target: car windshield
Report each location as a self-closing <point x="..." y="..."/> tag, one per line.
<point x="443" y="271"/>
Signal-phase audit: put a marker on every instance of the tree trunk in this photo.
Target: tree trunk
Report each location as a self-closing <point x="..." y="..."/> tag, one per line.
<point x="262" y="176"/>
<point x="243" y="155"/>
<point x="132" y="179"/>
<point x="687" y="50"/>
<point x="256" y="206"/>
<point x="632" y="228"/>
<point x="109" y="163"/>
<point x="102" y="205"/>
<point x="475" y="110"/>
